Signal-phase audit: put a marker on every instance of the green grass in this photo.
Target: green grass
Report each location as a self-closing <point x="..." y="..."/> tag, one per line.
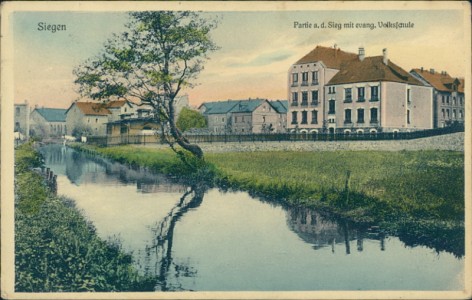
<point x="382" y="185"/>
<point x="56" y="249"/>
<point x="426" y="184"/>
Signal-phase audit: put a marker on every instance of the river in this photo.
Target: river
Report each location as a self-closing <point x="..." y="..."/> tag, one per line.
<point x="205" y="239"/>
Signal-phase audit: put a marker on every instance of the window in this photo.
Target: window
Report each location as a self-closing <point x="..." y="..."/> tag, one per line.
<point x="454" y="100"/>
<point x="304" y="98"/>
<point x="454" y="114"/>
<point x="374" y="115"/>
<point x="460" y="100"/>
<point x="96" y="120"/>
<point x="347" y="116"/>
<point x="314" y="117"/>
<point x="447" y="99"/>
<point x="294" y="98"/>
<point x="332" y="107"/>
<point x="304" y="117"/>
<point x="17" y="125"/>
<point x="408" y="95"/>
<point x="263" y="119"/>
<point x="294" y="79"/>
<point x="408" y="117"/>
<point x="314" y="97"/>
<point x="442" y="99"/>
<point x="331" y="90"/>
<point x="360" y="94"/>
<point x="347" y="95"/>
<point x="461" y="115"/>
<point x="360" y="115"/>
<point x="305" y="78"/>
<point x="374" y="93"/>
<point x="294" y="117"/>
<point x="447" y="113"/>
<point x="18" y="111"/>
<point x="314" y="77"/>
<point x="222" y="120"/>
<point x="443" y="113"/>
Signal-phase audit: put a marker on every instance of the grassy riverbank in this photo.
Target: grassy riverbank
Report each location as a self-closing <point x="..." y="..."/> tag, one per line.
<point x="56" y="249"/>
<point x="368" y="186"/>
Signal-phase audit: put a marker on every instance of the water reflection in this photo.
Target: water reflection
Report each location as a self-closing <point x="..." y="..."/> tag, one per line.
<point x="159" y="252"/>
<point x="234" y="241"/>
<point x="321" y="232"/>
<point x="81" y="168"/>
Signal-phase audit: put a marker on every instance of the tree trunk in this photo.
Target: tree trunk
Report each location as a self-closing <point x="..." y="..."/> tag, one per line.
<point x="179" y="138"/>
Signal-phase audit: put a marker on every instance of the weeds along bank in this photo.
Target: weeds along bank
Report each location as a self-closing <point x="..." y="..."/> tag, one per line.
<point x="366" y="186"/>
<point x="56" y="249"/>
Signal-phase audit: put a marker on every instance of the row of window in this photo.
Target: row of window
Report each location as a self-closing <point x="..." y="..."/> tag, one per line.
<point x="446" y="114"/>
<point x="305" y="78"/>
<point x="304" y="102"/>
<point x="445" y="99"/>
<point x="374" y="95"/>
<point x="374" y="115"/>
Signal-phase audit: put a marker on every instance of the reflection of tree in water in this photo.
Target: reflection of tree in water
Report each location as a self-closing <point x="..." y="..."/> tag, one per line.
<point x="159" y="253"/>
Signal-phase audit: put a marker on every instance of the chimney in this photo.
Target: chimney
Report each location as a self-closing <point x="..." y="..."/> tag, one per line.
<point x="361" y="53"/>
<point x="431" y="71"/>
<point x="385" y="57"/>
<point x="421" y="69"/>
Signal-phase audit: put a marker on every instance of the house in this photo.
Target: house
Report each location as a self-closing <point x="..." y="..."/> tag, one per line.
<point x="48" y="122"/>
<point x="245" y="116"/>
<point x="307" y="79"/>
<point x="356" y="94"/>
<point x="121" y="109"/>
<point x="87" y="118"/>
<point x="22" y="120"/>
<point x="448" y="96"/>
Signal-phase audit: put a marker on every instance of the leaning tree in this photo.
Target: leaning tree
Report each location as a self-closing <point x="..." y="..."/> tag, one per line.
<point x="159" y="54"/>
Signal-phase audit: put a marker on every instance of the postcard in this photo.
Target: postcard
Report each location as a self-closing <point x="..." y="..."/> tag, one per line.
<point x="236" y="150"/>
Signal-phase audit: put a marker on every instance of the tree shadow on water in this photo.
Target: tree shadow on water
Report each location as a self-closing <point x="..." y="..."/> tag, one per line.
<point x="159" y="253"/>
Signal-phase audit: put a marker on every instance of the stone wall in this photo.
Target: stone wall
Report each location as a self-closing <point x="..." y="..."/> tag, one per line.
<point x="454" y="142"/>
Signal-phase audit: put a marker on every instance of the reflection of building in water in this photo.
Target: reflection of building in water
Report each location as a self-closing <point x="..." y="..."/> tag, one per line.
<point x="314" y="229"/>
<point x="82" y="168"/>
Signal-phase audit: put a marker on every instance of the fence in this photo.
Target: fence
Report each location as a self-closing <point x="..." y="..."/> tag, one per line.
<point x="277" y="137"/>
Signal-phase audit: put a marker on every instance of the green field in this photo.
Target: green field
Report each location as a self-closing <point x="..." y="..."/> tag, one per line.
<point x="367" y="186"/>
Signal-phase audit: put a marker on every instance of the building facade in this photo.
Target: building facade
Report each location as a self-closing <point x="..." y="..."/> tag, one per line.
<point x="359" y="95"/>
<point x="48" y="122"/>
<point x="87" y="118"/>
<point x="22" y="120"/>
<point x="448" y="96"/>
<point x="245" y="116"/>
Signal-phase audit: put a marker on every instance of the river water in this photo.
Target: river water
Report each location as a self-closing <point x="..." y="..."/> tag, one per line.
<point x="195" y="238"/>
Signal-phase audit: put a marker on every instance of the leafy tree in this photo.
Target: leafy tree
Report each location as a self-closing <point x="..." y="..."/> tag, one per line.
<point x="189" y="118"/>
<point x="159" y="54"/>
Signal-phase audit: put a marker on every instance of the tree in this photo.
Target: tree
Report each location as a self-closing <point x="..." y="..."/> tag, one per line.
<point x="189" y="118"/>
<point x="158" y="55"/>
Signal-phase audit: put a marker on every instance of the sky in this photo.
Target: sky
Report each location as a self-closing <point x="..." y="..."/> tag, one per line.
<point x="256" y="48"/>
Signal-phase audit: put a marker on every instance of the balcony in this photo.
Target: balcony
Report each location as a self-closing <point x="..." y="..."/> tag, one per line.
<point x="294" y="122"/>
<point x="374" y="122"/>
<point x="348" y="100"/>
<point x="361" y="99"/>
<point x="294" y="84"/>
<point x="347" y="122"/>
<point x="374" y="99"/>
<point x="331" y="112"/>
<point x="360" y="121"/>
<point x="315" y="82"/>
<point x="305" y="83"/>
<point x="304" y="103"/>
<point x="314" y="103"/>
<point x="294" y="103"/>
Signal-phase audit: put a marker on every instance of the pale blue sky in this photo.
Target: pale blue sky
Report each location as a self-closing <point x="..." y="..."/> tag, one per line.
<point x="257" y="48"/>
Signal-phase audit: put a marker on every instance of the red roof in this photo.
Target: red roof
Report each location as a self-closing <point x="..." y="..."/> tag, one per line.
<point x="331" y="57"/>
<point x="372" y="69"/>
<point x="441" y="81"/>
<point x="93" y="108"/>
